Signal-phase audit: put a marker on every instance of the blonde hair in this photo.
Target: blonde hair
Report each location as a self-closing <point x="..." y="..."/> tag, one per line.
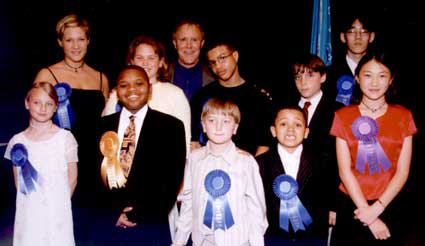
<point x="224" y="107"/>
<point x="46" y="87"/>
<point x="72" y="21"/>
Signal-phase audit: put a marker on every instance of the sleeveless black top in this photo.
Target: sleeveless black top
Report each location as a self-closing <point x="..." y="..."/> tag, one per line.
<point x="87" y="106"/>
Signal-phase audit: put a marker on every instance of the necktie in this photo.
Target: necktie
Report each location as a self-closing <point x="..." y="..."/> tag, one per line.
<point x="305" y="108"/>
<point x="128" y="147"/>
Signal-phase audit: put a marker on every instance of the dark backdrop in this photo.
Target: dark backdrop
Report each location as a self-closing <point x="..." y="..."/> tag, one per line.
<point x="267" y="35"/>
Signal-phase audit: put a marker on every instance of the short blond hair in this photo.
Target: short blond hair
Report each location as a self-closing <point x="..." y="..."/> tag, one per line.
<point x="224" y="107"/>
<point x="72" y="21"/>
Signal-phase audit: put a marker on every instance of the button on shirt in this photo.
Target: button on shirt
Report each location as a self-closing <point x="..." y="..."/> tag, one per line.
<point x="125" y="121"/>
<point x="314" y="102"/>
<point x="290" y="161"/>
<point x="245" y="198"/>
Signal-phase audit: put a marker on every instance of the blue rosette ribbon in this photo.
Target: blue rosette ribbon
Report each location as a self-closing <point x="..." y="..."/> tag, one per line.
<point x="217" y="212"/>
<point x="64" y="117"/>
<point x="27" y="175"/>
<point x="345" y="86"/>
<point x="369" y="150"/>
<point x="291" y="209"/>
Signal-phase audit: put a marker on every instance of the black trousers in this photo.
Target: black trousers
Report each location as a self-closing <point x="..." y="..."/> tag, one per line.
<point x="350" y="231"/>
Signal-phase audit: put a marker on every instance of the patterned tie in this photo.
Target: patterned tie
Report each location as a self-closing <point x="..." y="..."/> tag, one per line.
<point x="128" y="147"/>
<point x="305" y="108"/>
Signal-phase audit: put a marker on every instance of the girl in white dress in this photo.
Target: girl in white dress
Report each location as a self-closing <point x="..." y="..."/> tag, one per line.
<point x="43" y="201"/>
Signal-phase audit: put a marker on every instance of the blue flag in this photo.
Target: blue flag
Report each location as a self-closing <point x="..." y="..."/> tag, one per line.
<point x="321" y="31"/>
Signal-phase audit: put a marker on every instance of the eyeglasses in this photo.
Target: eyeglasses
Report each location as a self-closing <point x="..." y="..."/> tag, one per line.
<point x="361" y="32"/>
<point x="219" y="60"/>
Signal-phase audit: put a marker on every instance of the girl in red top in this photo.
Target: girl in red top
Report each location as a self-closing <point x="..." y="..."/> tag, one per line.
<point x="374" y="149"/>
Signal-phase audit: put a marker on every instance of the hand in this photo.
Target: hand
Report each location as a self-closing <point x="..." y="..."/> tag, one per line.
<point x="123" y="220"/>
<point x="379" y="230"/>
<point x="368" y="214"/>
<point x="194" y="145"/>
<point x="332" y="218"/>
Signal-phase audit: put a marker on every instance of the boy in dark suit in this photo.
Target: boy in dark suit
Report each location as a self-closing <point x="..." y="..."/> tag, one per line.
<point x="140" y="190"/>
<point x="290" y="158"/>
<point x="309" y="75"/>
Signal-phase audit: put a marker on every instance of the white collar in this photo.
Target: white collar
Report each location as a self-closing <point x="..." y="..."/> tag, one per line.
<point x="352" y="64"/>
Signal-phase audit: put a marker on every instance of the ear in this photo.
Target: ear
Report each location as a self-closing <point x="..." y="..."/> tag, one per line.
<point x="27" y="104"/>
<point x="235" y="55"/>
<point x="371" y="37"/>
<point x="202" y="43"/>
<point x="175" y="43"/>
<point x="323" y="78"/>
<point x="307" y="131"/>
<point x="342" y="37"/>
<point x="273" y="131"/>
<point x="356" y="78"/>
<point x="161" y="63"/>
<point x="60" y="43"/>
<point x="203" y="126"/>
<point x="235" y="129"/>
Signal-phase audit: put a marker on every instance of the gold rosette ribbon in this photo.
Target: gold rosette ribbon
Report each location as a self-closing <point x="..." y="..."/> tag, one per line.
<point x="111" y="170"/>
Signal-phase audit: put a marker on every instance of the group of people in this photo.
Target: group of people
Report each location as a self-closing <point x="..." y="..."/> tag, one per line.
<point x="193" y="150"/>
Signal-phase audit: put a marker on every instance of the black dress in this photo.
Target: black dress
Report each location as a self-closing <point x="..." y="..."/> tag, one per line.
<point x="87" y="106"/>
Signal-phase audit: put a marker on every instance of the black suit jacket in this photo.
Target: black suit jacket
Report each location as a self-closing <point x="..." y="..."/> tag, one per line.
<point x="311" y="190"/>
<point x="156" y="173"/>
<point x="323" y="144"/>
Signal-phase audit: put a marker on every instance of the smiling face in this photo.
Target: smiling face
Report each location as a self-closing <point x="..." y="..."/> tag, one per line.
<point x="219" y="128"/>
<point x="290" y="128"/>
<point x="133" y="89"/>
<point x="74" y="43"/>
<point x="40" y="105"/>
<point x="188" y="42"/>
<point x="145" y="57"/>
<point x="374" y="79"/>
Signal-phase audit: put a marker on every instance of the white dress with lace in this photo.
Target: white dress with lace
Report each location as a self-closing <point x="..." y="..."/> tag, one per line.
<point x="44" y="217"/>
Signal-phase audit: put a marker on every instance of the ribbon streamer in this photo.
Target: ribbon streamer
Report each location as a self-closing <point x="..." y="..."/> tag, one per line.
<point x="218" y="214"/>
<point x="345" y="85"/>
<point x="64" y="116"/>
<point x="291" y="209"/>
<point x="27" y="174"/>
<point x="110" y="170"/>
<point x="369" y="151"/>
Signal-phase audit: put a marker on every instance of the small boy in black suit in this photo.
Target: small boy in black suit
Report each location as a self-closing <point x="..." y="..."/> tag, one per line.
<point x="292" y="184"/>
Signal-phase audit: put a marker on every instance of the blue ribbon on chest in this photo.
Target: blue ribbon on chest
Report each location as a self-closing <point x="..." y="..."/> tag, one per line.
<point x="365" y="129"/>
<point x="217" y="212"/>
<point x="345" y="86"/>
<point x="64" y="116"/>
<point x="291" y="209"/>
<point x="27" y="175"/>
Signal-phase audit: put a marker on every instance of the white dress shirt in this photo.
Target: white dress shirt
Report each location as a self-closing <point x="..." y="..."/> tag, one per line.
<point x="351" y="63"/>
<point x="290" y="161"/>
<point x="125" y="121"/>
<point x="314" y="100"/>
<point x="245" y="198"/>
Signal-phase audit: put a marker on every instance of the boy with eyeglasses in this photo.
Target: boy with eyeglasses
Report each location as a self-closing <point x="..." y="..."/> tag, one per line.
<point x="253" y="134"/>
<point x="357" y="35"/>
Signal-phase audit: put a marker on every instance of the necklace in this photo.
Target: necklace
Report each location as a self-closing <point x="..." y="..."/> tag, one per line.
<point x="374" y="109"/>
<point x="75" y="68"/>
